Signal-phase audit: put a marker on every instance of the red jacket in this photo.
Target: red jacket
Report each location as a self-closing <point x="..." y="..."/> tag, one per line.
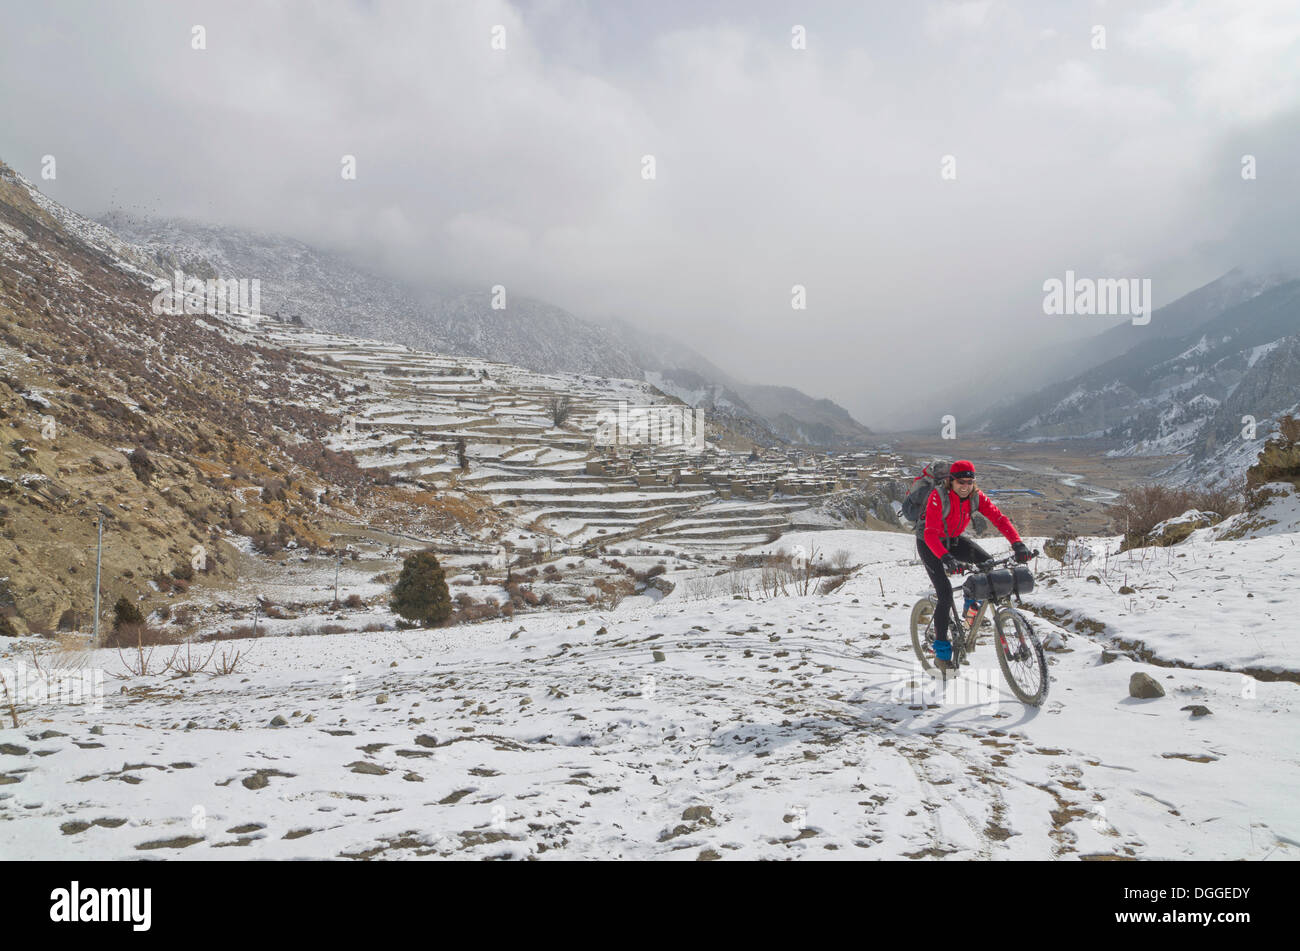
<point x="959" y="513"/>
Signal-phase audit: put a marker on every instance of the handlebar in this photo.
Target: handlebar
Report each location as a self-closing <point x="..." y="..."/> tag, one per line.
<point x="964" y="567"/>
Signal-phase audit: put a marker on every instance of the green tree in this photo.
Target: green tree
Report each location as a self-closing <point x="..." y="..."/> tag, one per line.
<point x="124" y="612"/>
<point x="421" y="591"/>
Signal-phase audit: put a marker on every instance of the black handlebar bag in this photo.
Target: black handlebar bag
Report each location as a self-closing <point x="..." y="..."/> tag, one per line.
<point x="1023" y="579"/>
<point x="977" y="587"/>
<point x="998" y="583"/>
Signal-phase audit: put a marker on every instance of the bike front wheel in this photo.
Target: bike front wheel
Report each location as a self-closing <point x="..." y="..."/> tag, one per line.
<point x="1021" y="657"/>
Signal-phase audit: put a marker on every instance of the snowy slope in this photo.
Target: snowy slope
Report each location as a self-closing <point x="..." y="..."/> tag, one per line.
<point x="795" y="727"/>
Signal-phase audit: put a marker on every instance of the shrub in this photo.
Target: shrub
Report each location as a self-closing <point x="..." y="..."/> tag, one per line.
<point x="124" y="612"/>
<point x="239" y="632"/>
<point x="71" y="620"/>
<point x="558" y="409"/>
<point x="421" y="593"/>
<point x="1142" y="507"/>
<point x="141" y="634"/>
<point x="141" y="464"/>
<point x="353" y="601"/>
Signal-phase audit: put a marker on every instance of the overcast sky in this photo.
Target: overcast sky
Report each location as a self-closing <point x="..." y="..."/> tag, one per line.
<point x="775" y="166"/>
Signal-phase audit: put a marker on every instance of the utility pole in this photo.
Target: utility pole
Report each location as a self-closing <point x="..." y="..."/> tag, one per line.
<point x="99" y="556"/>
<point x="338" y="560"/>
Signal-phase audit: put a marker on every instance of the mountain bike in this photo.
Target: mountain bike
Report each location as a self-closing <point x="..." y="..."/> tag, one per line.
<point x="1020" y="653"/>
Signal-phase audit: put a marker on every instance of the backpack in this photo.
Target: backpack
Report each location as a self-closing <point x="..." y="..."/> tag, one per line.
<point x="922" y="486"/>
<point x="931" y="477"/>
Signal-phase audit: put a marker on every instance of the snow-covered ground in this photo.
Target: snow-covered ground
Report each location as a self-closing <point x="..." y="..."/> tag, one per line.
<point x="793" y="727"/>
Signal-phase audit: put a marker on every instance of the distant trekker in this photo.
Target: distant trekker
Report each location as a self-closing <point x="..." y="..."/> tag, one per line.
<point x="942" y="544"/>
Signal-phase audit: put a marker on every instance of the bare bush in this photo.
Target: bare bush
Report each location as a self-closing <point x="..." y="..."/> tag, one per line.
<point x="1142" y="507"/>
<point x="612" y="591"/>
<point x="738" y="582"/>
<point x="558" y="408"/>
<point x="187" y="663"/>
<point x="229" y="661"/>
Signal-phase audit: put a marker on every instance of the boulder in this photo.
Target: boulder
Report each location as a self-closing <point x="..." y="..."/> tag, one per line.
<point x="1144" y="687"/>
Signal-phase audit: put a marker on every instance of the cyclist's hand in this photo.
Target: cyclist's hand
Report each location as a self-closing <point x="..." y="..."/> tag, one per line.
<point x="950" y="564"/>
<point x="1022" y="552"/>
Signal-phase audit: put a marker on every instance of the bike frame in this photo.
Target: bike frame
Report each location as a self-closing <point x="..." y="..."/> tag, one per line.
<point x="966" y="643"/>
<point x="1020" y="648"/>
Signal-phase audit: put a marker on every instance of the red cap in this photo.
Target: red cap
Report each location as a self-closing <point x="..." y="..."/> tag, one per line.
<point x="962" y="467"/>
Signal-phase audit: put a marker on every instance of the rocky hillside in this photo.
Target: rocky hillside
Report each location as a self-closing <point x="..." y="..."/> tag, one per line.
<point x="331" y="293"/>
<point x="185" y="440"/>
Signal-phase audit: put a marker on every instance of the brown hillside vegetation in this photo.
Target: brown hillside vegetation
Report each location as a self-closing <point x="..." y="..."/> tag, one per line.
<point x="162" y="422"/>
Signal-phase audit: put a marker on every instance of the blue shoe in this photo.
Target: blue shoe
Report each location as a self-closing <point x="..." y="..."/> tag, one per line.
<point x="943" y="655"/>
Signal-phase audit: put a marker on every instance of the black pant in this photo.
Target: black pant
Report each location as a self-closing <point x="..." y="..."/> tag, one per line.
<point x="963" y="549"/>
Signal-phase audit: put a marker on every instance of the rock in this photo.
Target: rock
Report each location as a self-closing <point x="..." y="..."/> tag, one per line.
<point x="180" y="842"/>
<point x="256" y="781"/>
<point x="659" y="657"/>
<point x="309" y="718"/>
<point x="413" y="778"/>
<point x="381" y="698"/>
<point x="192" y="725"/>
<point x="370" y="769"/>
<point x="708" y="855"/>
<point x="601" y="630"/>
<point x="1197" y="710"/>
<point x="393" y="664"/>
<point x="698" y="814"/>
<point x="424" y="739"/>
<point x="49" y="735"/>
<point x="1144" y="687"/>
<point x="279" y="721"/>
<point x="1173" y="530"/>
<point x="97" y="730"/>
<point x="1125" y="589"/>
<point x="1109" y="657"/>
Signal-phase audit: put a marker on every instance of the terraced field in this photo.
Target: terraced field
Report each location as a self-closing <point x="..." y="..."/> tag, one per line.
<point x="412" y="414"/>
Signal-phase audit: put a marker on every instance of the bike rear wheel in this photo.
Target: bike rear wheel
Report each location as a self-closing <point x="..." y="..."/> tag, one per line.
<point x="1021" y="657"/>
<point x="923" y="632"/>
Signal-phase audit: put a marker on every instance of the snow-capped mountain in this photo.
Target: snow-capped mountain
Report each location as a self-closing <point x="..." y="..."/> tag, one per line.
<point x="1212" y="391"/>
<point x="329" y="292"/>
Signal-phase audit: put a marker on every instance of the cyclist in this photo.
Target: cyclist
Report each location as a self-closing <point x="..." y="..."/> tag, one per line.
<point x="941" y="543"/>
